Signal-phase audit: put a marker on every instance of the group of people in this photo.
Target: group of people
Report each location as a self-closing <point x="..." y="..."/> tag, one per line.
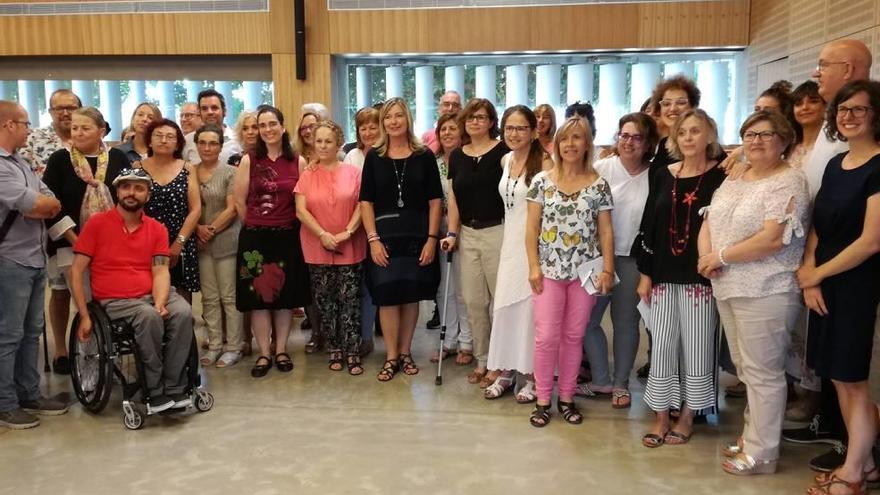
<point x="539" y="229"/>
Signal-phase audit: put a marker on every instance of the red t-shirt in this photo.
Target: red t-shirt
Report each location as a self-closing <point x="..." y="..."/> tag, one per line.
<point x="121" y="262"/>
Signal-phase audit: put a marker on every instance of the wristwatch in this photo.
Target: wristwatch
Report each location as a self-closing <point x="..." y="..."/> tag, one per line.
<point x="181" y="239"/>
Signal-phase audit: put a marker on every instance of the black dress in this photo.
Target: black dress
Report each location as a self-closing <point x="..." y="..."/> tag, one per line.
<point x="169" y="204"/>
<point x="839" y="344"/>
<point x="403" y="230"/>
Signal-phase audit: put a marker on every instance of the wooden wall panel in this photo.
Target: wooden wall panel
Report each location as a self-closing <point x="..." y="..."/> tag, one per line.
<point x="291" y="94"/>
<point x="581" y="27"/>
<point x="136" y="34"/>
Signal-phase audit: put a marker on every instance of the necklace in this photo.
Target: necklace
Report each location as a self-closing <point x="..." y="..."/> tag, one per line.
<point x="400" y="178"/>
<point x="678" y="242"/>
<point x="510" y="192"/>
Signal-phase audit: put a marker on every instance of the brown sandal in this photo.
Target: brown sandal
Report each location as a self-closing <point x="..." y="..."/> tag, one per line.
<point x="408" y="365"/>
<point x="464" y="358"/>
<point x="476" y="376"/>
<point x="856" y="487"/>
<point x="389" y="369"/>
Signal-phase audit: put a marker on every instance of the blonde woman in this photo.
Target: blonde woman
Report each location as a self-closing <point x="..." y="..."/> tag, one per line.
<point x="546" y="126"/>
<point x="136" y="148"/>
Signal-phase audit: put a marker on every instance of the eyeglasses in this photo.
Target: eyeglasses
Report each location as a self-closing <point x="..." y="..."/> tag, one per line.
<point x="188" y="115"/>
<point x="823" y="65"/>
<point x="518" y="129"/>
<point x="635" y="138"/>
<point x="678" y="102"/>
<point x="208" y="144"/>
<point x="479" y="117"/>
<point x="450" y="104"/>
<point x="26" y="123"/>
<point x="857" y="111"/>
<point x="763" y="136"/>
<point x="67" y="109"/>
<point x="164" y="137"/>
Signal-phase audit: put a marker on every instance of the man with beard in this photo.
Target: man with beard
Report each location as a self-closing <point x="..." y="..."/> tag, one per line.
<point x="212" y="110"/>
<point x="127" y="255"/>
<point x="42" y="142"/>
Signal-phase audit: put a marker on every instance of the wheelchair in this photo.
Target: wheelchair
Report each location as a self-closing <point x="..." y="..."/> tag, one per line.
<point x="112" y="353"/>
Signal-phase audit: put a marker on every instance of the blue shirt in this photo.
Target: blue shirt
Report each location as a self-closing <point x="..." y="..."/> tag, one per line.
<point x="19" y="189"/>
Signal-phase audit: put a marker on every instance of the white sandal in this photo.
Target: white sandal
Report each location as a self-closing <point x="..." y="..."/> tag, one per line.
<point x="229" y="358"/>
<point x="526" y="394"/>
<point x="499" y="387"/>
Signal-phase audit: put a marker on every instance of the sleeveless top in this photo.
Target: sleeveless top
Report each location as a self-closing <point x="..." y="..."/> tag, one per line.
<point x="270" y="201"/>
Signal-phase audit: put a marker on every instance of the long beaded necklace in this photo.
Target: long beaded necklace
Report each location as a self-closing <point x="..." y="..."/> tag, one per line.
<point x="400" y="177"/>
<point x="678" y="243"/>
<point x="510" y="192"/>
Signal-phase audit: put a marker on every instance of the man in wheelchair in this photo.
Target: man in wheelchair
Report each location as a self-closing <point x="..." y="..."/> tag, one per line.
<point x="127" y="254"/>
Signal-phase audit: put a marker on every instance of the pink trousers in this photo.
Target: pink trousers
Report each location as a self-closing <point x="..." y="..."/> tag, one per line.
<point x="562" y="312"/>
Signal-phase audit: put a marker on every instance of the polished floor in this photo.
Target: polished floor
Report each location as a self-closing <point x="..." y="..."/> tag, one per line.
<point x="323" y="432"/>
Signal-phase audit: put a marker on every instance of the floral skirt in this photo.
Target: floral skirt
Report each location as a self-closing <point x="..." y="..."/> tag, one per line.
<point x="270" y="270"/>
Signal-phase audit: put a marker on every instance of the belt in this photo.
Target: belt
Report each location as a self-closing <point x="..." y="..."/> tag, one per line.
<point x="481" y="224"/>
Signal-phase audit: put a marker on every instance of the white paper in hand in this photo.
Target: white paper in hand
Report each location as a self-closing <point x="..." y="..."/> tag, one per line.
<point x="589" y="273"/>
<point x="645" y="312"/>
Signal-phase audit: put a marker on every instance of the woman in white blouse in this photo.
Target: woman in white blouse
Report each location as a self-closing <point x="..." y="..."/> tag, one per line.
<point x="627" y="174"/>
<point x="751" y="246"/>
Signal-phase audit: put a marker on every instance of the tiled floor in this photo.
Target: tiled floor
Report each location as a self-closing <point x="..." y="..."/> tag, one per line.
<point x="318" y="431"/>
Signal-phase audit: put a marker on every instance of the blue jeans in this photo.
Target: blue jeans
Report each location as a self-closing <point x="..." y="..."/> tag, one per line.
<point x="22" y="294"/>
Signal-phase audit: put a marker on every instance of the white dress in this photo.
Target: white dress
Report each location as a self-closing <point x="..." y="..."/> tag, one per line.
<point x="512" y="346"/>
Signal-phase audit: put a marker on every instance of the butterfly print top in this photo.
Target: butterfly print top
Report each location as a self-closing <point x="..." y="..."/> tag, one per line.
<point x="569" y="224"/>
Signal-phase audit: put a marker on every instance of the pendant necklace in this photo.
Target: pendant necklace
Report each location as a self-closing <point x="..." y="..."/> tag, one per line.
<point x="678" y="241"/>
<point x="510" y="192"/>
<point x="400" y="178"/>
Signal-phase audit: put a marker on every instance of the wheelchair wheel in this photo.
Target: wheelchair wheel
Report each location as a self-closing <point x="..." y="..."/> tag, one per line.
<point x="90" y="367"/>
<point x="133" y="420"/>
<point x="204" y="401"/>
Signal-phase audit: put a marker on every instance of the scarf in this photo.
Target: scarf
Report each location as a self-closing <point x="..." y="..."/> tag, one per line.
<point x="97" y="196"/>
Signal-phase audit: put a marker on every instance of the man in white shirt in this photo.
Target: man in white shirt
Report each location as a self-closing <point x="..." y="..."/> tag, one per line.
<point x="840" y="62"/>
<point x="212" y="109"/>
<point x="450" y="103"/>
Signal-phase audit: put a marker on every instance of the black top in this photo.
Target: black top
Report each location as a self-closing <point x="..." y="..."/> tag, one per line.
<point x="663" y="159"/>
<point x="839" y="215"/>
<point x="419" y="176"/>
<point x="61" y="178"/>
<point x="652" y="247"/>
<point x="475" y="183"/>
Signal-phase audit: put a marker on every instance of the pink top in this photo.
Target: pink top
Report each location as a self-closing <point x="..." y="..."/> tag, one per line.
<point x="331" y="197"/>
<point x="270" y="200"/>
<point x="429" y="138"/>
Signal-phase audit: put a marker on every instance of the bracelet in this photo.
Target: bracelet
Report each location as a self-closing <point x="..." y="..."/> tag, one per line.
<point x="181" y="239"/>
<point x="451" y="234"/>
<point x="721" y="257"/>
<point x="434" y="236"/>
<point x="374" y="239"/>
<point x="350" y="233"/>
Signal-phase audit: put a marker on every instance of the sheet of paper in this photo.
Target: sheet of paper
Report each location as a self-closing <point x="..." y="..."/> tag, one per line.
<point x="645" y="312"/>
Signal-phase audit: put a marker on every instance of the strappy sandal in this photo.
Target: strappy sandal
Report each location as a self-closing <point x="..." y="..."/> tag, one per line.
<point x="825" y="478"/>
<point x="464" y="357"/>
<point x="653" y="440"/>
<point x="498" y="388"/>
<point x="284" y="365"/>
<point x="353" y="361"/>
<point x="335" y="361"/>
<point x="476" y="376"/>
<point x="745" y="465"/>
<point x="540" y="416"/>
<point x="260" y="370"/>
<point x="408" y="365"/>
<point x="445" y="354"/>
<point x="389" y="369"/>
<point x="526" y="394"/>
<point x="570" y="412"/>
<point x="855" y="487"/>
<point x="621" y="398"/>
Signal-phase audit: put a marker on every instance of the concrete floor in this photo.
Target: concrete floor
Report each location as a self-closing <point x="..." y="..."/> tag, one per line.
<point x="323" y="432"/>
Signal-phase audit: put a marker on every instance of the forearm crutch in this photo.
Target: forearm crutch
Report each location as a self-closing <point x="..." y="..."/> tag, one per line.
<point x="439" y="379"/>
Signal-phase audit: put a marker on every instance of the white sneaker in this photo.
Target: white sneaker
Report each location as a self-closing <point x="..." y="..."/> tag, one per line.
<point x="229" y="358"/>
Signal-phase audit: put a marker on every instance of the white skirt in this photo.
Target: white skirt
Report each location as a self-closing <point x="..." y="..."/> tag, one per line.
<point x="512" y="346"/>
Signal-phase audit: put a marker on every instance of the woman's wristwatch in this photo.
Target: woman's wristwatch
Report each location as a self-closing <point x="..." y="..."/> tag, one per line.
<point x="181" y="239"/>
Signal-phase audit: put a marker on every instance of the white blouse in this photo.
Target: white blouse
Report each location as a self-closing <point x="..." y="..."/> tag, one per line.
<point x="630" y="194"/>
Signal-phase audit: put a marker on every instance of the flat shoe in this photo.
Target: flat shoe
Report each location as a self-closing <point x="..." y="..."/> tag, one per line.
<point x="679" y="438"/>
<point x="526" y="394"/>
<point x="621" y="399"/>
<point x="260" y="370"/>
<point x="285" y="365"/>
<point x="652" y="440"/>
<point x="464" y="358"/>
<point x="476" y="376"/>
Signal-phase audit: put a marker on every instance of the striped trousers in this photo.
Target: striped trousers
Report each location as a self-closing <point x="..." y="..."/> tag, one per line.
<point x="685" y="323"/>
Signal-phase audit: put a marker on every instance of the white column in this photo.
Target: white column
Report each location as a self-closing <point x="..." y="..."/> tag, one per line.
<point x="454" y="80"/>
<point x="137" y="91"/>
<point x="253" y="94"/>
<point x="580" y="83"/>
<point x="166" y="99"/>
<point x="362" y="83"/>
<point x="712" y="79"/>
<point x="111" y="107"/>
<point x="28" y="97"/>
<point x="739" y="107"/>
<point x="684" y="68"/>
<point x="225" y="89"/>
<point x="516" y="85"/>
<point x="643" y="79"/>
<point x="393" y="81"/>
<point x="485" y="82"/>
<point x="192" y="90"/>
<point x="547" y="85"/>
<point x="51" y="87"/>
<point x="612" y="101"/>
<point x="424" y="99"/>
<point x="86" y="92"/>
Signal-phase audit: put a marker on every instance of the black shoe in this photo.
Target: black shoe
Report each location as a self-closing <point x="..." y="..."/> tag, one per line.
<point x="644" y="371"/>
<point x="44" y="407"/>
<point x="434" y="322"/>
<point x="61" y="365"/>
<point x="811" y="433"/>
<point x="159" y="403"/>
<point x="831" y="460"/>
